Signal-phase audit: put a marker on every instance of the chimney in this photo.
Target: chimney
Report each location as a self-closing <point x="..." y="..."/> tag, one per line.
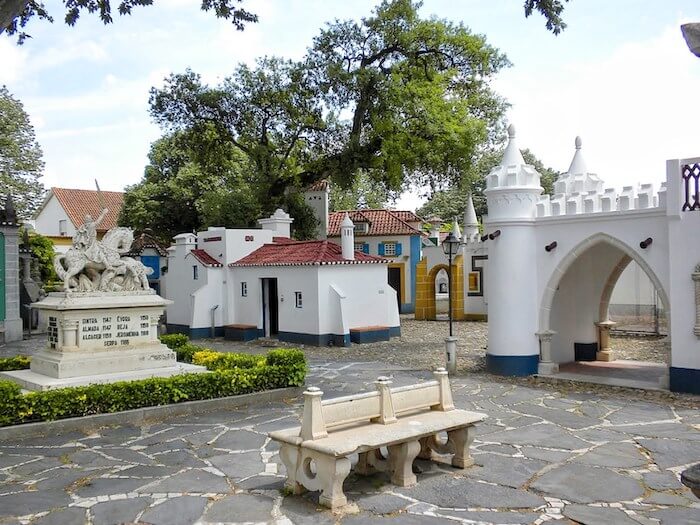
<point x="347" y="238"/>
<point x="279" y="223"/>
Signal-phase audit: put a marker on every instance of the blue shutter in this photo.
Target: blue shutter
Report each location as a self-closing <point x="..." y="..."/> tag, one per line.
<point x="381" y="248"/>
<point x="398" y="248"/>
<point x="365" y="247"/>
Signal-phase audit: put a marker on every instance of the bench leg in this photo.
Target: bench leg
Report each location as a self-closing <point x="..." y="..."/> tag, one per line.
<point x="402" y="457"/>
<point x="289" y="454"/>
<point x="425" y="451"/>
<point x="364" y="464"/>
<point x="462" y="439"/>
<point x="331" y="473"/>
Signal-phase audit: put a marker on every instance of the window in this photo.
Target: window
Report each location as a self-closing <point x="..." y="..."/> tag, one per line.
<point x="390" y="248"/>
<point x="297" y="298"/>
<point x="195" y="272"/>
<point x="62" y="227"/>
<point x="359" y="246"/>
<point x="244" y="289"/>
<point x="361" y="227"/>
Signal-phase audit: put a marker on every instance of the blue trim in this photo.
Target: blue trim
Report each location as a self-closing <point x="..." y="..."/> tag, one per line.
<point x="194" y="333"/>
<point x="398" y="249"/>
<point x="380" y="249"/>
<point x="315" y="339"/>
<point x="395" y="331"/>
<point x="370" y="336"/>
<point x="407" y="308"/>
<point x="365" y="248"/>
<point x="512" y="365"/>
<point x="684" y="380"/>
<point x="414" y="259"/>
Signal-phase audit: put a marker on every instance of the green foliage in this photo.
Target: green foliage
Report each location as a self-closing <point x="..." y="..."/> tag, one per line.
<point x="18" y="362"/>
<point x="282" y="368"/>
<point x="226" y="361"/>
<point x="21" y="163"/>
<point x="551" y="10"/>
<point x="42" y="249"/>
<point x="174" y="341"/>
<point x="402" y="99"/>
<point x="15" y="14"/>
<point x="363" y="193"/>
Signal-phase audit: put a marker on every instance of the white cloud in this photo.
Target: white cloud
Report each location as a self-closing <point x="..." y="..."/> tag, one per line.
<point x="634" y="109"/>
<point x="12" y="61"/>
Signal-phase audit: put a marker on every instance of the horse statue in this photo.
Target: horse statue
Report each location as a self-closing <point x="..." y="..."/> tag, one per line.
<point x="94" y="265"/>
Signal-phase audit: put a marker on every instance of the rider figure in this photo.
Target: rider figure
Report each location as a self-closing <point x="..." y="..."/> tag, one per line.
<point x="94" y="249"/>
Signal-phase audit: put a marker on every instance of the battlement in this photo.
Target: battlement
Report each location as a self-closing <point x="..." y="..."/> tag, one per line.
<point x="639" y="197"/>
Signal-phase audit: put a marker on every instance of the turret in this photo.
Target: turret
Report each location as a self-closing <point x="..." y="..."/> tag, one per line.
<point x="471" y="224"/>
<point x="578" y="179"/>
<point x="455" y="229"/>
<point x="347" y="238"/>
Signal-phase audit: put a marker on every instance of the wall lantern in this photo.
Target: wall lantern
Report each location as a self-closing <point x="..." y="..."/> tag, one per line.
<point x="485" y="237"/>
<point x="551" y="246"/>
<point x="495" y="234"/>
<point x="645" y="243"/>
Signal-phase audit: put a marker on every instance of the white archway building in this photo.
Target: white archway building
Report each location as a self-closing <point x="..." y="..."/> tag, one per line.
<point x="554" y="260"/>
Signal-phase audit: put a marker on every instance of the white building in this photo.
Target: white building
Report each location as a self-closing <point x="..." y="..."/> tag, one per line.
<point x="257" y="282"/>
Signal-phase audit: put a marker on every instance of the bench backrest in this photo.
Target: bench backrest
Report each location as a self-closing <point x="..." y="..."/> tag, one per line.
<point x="383" y="406"/>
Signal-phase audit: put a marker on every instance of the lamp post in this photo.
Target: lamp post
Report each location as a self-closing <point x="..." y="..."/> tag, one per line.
<point x="450" y="246"/>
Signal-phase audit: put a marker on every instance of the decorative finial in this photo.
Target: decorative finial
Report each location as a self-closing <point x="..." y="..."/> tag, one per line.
<point x="578" y="142"/>
<point x="511" y="131"/>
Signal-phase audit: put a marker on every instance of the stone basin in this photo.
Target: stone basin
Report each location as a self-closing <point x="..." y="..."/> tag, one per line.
<point x="690" y="477"/>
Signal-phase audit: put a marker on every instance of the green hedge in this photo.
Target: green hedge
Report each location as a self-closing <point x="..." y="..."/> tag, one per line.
<point x="281" y="368"/>
<point x="18" y="362"/>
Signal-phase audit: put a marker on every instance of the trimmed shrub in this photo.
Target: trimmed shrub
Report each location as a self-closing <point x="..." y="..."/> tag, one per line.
<point x="174" y="341"/>
<point x="286" y="371"/>
<point x="226" y="361"/>
<point x="186" y="352"/>
<point x="18" y="362"/>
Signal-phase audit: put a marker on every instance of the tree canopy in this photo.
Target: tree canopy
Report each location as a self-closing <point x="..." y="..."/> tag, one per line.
<point x="21" y="163"/>
<point x="15" y="14"/>
<point x="404" y="99"/>
<point x="364" y="193"/>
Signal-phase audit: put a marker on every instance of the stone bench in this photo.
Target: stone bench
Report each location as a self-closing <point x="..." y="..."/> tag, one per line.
<point x="241" y="332"/>
<point x="370" y="334"/>
<point x="406" y="420"/>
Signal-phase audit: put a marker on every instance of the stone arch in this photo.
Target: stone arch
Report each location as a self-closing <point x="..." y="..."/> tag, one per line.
<point x="629" y="254"/>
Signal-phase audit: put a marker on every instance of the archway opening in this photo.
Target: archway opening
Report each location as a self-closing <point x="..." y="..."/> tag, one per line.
<point x="584" y="342"/>
<point x="441" y="294"/>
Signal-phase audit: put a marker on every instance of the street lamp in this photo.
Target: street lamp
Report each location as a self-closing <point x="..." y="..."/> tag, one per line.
<point x="450" y="246"/>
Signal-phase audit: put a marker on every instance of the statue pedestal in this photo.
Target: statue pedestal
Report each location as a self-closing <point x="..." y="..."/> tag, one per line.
<point x="100" y="337"/>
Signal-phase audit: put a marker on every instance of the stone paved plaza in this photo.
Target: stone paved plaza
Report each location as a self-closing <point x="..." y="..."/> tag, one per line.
<point x="541" y="456"/>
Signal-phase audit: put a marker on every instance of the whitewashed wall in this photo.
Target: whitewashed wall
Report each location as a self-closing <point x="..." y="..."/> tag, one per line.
<point x="46" y="222"/>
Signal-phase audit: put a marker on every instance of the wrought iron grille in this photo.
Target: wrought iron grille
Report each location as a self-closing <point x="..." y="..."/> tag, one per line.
<point x="690" y="173"/>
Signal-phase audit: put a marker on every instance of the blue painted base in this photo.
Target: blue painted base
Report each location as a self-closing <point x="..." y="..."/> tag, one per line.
<point x="194" y="333"/>
<point x="512" y="365"/>
<point x="315" y="339"/>
<point x="370" y="336"/>
<point x="236" y="333"/>
<point x="395" y="331"/>
<point x="684" y="380"/>
<point x="407" y="308"/>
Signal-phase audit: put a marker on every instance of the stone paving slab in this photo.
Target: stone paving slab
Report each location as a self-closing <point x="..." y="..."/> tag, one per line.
<point x="541" y="457"/>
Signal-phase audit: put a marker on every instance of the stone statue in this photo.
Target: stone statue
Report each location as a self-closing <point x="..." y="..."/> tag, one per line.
<point x="94" y="265"/>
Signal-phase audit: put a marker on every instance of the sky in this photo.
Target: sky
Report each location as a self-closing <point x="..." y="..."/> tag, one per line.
<point x="620" y="76"/>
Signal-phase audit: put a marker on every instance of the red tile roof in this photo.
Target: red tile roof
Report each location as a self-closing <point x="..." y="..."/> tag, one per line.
<point x="381" y="222"/>
<point x="407" y="216"/>
<point x="144" y="241"/>
<point x="303" y="253"/>
<point x="78" y="203"/>
<point x="206" y="259"/>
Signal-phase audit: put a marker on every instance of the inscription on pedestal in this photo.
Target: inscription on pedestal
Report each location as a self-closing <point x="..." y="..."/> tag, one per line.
<point x="53" y="332"/>
<point x="115" y="330"/>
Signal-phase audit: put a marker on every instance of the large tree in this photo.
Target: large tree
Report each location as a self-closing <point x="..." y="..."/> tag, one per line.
<point x="15" y="14"/>
<point x="364" y="193"/>
<point x="21" y="163"/>
<point x="450" y="202"/>
<point x="402" y="98"/>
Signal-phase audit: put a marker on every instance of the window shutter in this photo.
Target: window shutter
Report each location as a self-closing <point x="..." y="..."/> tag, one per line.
<point x="365" y="248"/>
<point x="381" y="248"/>
<point x="398" y="248"/>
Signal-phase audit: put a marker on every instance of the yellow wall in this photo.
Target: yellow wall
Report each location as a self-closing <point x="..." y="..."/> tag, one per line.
<point x="425" y="289"/>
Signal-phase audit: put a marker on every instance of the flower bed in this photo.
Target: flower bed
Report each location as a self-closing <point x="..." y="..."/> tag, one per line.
<point x="230" y="374"/>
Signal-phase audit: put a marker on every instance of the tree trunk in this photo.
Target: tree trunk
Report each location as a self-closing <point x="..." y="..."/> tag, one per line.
<point x="9" y="10"/>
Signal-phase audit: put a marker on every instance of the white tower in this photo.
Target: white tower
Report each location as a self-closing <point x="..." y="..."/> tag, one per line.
<point x="512" y="189"/>
<point x="347" y="238"/>
<point x="471" y="224"/>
